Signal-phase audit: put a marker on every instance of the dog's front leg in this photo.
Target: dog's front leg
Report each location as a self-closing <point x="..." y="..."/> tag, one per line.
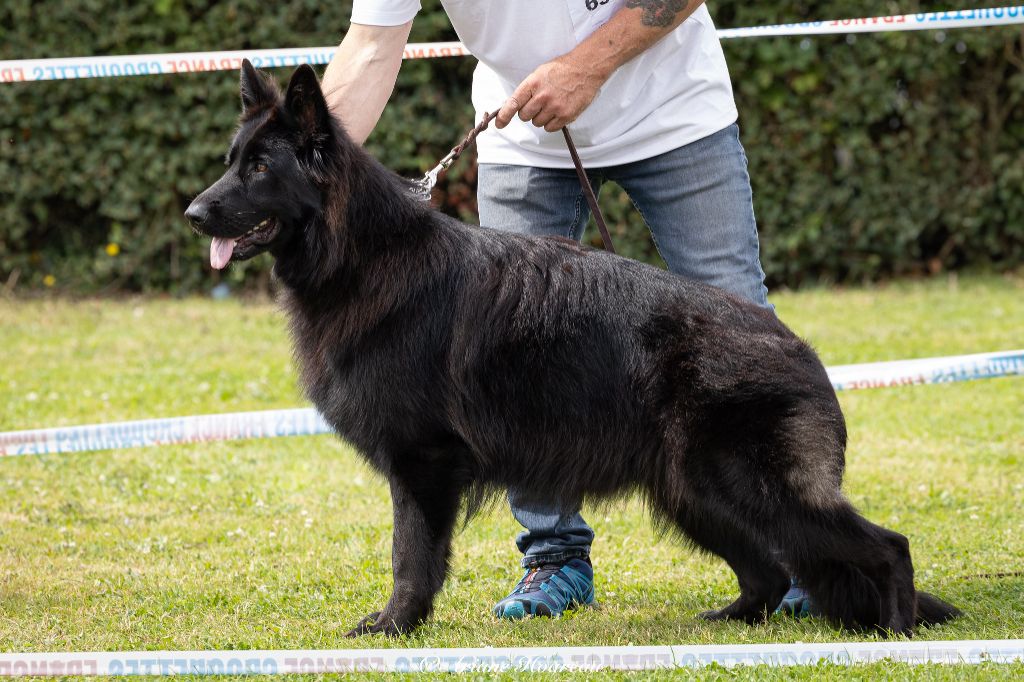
<point x="425" y="506"/>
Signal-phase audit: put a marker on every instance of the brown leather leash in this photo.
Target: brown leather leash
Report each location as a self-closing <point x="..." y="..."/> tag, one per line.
<point x="424" y="185"/>
<point x="589" y="191"/>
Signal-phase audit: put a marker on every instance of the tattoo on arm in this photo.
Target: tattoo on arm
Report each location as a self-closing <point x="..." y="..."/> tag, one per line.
<point x="659" y="13"/>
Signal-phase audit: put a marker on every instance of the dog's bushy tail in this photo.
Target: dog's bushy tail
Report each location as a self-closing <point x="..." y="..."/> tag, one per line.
<point x="931" y="610"/>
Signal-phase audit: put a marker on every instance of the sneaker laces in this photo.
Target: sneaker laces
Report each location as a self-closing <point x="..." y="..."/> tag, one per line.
<point x="563" y="586"/>
<point x="535" y="575"/>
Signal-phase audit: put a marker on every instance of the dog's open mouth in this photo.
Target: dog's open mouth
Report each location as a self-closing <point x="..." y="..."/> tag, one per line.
<point x="223" y="248"/>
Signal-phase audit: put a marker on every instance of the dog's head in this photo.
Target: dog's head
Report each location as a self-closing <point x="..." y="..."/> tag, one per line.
<point x="270" y="190"/>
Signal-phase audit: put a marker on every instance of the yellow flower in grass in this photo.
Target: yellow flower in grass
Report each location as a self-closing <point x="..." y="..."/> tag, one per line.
<point x="49" y="280"/>
<point x="113" y="249"/>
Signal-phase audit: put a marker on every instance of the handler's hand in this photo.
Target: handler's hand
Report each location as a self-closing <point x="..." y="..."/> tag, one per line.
<point x="553" y="96"/>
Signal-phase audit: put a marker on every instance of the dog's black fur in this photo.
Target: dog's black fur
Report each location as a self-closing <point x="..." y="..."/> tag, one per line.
<point x="461" y="360"/>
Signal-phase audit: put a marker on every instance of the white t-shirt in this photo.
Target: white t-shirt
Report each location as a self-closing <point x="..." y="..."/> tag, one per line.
<point x="676" y="92"/>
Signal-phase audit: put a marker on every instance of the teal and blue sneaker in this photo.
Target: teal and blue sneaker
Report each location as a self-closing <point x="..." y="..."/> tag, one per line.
<point x="797" y="602"/>
<point x="550" y="590"/>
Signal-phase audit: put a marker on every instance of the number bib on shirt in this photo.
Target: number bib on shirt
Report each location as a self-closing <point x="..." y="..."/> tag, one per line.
<point x="589" y="15"/>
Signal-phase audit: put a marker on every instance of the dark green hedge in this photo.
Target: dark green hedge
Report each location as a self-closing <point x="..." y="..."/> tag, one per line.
<point x="870" y="157"/>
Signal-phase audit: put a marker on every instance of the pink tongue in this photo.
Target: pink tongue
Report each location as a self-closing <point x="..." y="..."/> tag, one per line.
<point x="220" y="252"/>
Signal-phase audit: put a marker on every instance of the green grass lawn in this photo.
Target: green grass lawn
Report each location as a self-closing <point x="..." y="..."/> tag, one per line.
<point x="285" y="543"/>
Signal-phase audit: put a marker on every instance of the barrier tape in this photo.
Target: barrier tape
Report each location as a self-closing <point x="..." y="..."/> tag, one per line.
<point x="964" y="18"/>
<point x="927" y="370"/>
<point x="70" y="68"/>
<point x="307" y="422"/>
<point x="24" y="70"/>
<point x="169" y="431"/>
<point x="525" y="659"/>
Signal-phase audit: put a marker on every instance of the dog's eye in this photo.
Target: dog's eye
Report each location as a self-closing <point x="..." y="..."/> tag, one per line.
<point x="261" y="167"/>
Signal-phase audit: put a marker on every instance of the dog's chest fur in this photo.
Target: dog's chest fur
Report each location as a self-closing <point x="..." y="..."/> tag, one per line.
<point x="371" y="382"/>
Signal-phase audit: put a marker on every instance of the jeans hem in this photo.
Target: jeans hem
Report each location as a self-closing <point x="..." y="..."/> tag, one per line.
<point x="534" y="560"/>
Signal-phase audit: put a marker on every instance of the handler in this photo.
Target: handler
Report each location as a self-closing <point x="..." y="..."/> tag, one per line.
<point x="645" y="86"/>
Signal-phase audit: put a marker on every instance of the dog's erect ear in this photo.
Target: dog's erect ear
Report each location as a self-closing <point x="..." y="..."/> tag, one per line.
<point x="256" y="91"/>
<point x="305" y="101"/>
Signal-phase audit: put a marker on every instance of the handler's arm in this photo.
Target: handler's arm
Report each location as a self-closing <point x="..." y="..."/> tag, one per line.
<point x="362" y="74"/>
<point x="557" y="92"/>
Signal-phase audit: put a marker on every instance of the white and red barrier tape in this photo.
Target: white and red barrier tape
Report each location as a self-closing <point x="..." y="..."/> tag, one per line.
<point x="927" y="370"/>
<point x="307" y="422"/>
<point x="21" y="70"/>
<point x="526" y="659"/>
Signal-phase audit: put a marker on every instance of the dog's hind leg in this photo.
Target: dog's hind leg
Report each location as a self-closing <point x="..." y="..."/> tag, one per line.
<point x="762" y="579"/>
<point x="787" y="485"/>
<point x="425" y="499"/>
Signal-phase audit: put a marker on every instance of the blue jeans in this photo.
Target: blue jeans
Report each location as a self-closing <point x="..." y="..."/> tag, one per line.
<point x="697" y="202"/>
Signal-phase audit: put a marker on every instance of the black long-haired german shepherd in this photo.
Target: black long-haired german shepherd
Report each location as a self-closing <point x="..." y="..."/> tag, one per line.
<point x="461" y="360"/>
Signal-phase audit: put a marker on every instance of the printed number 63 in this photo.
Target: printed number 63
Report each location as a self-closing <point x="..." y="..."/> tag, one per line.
<point x="594" y="4"/>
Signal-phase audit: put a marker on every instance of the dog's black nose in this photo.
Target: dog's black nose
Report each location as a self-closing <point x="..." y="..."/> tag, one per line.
<point x="197" y="213"/>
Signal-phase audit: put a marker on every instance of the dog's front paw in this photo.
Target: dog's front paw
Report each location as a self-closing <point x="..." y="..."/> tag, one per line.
<point x="716" y="615"/>
<point x="364" y="626"/>
<point x="374" y="624"/>
<point x="751" y="614"/>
